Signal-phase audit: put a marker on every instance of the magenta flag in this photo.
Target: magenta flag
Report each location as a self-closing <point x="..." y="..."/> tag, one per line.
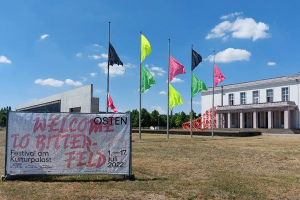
<point x="175" y="68"/>
<point x="219" y="77"/>
<point x="110" y="103"/>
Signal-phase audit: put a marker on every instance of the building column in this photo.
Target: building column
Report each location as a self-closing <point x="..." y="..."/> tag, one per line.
<point x="229" y="120"/>
<point x="270" y="119"/>
<point x="286" y="119"/>
<point x="217" y="120"/>
<point x="242" y="120"/>
<point x="254" y="119"/>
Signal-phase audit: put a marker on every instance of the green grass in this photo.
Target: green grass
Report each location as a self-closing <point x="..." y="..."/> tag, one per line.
<point x="262" y="167"/>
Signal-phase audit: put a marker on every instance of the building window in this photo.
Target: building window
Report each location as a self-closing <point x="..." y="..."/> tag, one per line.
<point x="270" y="95"/>
<point x="285" y="93"/>
<point x="255" y="97"/>
<point x="231" y="99"/>
<point x="243" y="97"/>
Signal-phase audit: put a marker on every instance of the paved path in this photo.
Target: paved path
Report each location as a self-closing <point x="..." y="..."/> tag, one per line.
<point x="282" y="135"/>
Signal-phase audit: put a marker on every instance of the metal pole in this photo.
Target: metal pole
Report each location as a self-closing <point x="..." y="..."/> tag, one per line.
<point x="108" y="67"/>
<point x="168" y="91"/>
<point x="140" y="113"/>
<point x="191" y="114"/>
<point x="213" y="98"/>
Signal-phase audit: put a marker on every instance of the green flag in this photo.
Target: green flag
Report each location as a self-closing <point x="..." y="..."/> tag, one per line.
<point x="174" y="97"/>
<point x="197" y="85"/>
<point x="147" y="80"/>
<point x="145" y="48"/>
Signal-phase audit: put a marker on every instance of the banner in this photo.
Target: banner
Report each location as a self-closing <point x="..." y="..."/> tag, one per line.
<point x="65" y="143"/>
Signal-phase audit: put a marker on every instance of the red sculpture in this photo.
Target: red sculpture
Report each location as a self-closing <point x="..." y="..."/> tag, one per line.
<point x="202" y="123"/>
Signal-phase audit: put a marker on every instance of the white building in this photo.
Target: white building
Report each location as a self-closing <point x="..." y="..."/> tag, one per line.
<point x="269" y="103"/>
<point x="77" y="100"/>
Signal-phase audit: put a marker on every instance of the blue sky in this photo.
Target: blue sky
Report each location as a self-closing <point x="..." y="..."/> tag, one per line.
<point x="48" y="47"/>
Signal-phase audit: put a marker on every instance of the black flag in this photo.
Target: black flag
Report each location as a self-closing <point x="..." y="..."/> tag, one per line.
<point x="113" y="57"/>
<point x="196" y="59"/>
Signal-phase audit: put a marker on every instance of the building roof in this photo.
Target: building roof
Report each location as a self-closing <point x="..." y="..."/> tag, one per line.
<point x="262" y="82"/>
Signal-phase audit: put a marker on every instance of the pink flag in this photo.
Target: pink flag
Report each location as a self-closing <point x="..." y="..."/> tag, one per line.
<point x="219" y="77"/>
<point x="175" y="68"/>
<point x="110" y="103"/>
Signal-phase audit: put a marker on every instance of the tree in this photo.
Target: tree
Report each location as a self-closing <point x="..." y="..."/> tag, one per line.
<point x="146" y="119"/>
<point x="135" y="118"/>
<point x="178" y="120"/>
<point x="162" y="120"/>
<point x="3" y="112"/>
<point x="193" y="115"/>
<point x="154" y="118"/>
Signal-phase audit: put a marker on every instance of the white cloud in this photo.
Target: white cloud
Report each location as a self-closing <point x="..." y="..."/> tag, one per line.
<point x="96" y="45"/>
<point x="74" y="83"/>
<point x="219" y="30"/>
<point x="129" y="65"/>
<point x="78" y="55"/>
<point x="113" y="70"/>
<point x="4" y="59"/>
<point x="242" y="28"/>
<point x="159" y="109"/>
<point x="230" y="15"/>
<point x="44" y="36"/>
<point x="177" y="80"/>
<point x="93" y="74"/>
<point x="104" y="55"/>
<point x="50" y="81"/>
<point x="271" y="63"/>
<point x="162" y="92"/>
<point x="158" y="70"/>
<point x="230" y="55"/>
<point x="95" y="57"/>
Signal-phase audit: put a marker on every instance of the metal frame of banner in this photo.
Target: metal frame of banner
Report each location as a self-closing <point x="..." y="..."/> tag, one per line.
<point x="6" y="176"/>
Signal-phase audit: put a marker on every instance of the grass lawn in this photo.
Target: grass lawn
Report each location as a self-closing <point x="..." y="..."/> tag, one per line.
<point x="262" y="167"/>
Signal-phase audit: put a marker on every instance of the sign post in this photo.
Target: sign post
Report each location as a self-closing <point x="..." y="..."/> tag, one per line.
<point x="68" y="144"/>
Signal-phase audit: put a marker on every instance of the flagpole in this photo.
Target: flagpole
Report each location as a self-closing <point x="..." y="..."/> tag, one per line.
<point x="140" y="113"/>
<point x="108" y="67"/>
<point x="213" y="98"/>
<point x="168" y="91"/>
<point x="191" y="114"/>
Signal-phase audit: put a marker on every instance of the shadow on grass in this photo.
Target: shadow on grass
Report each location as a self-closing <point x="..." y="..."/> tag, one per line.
<point x="78" y="178"/>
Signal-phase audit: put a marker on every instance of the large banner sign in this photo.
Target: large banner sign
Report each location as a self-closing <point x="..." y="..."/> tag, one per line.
<point x="65" y="143"/>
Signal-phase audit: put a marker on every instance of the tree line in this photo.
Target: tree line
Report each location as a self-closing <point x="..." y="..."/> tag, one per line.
<point x="156" y="119"/>
<point x="3" y="115"/>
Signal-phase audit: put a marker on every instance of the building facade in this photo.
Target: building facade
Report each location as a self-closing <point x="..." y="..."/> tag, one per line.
<point x="269" y="103"/>
<point x="77" y="100"/>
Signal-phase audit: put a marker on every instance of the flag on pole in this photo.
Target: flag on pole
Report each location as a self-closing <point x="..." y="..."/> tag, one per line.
<point x="176" y="68"/>
<point x="113" y="57"/>
<point x="145" y="48"/>
<point x="147" y="80"/>
<point x="197" y="85"/>
<point x="110" y="103"/>
<point x="196" y="59"/>
<point x="174" y="97"/>
<point x="219" y="77"/>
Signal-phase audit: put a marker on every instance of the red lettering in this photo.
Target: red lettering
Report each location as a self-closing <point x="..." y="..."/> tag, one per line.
<point x="66" y="137"/>
<point x="81" y="158"/>
<point x="39" y="125"/>
<point x="74" y="121"/>
<point x="62" y="130"/>
<point x="15" y="136"/>
<point x="74" y="141"/>
<point x="95" y="127"/>
<point x="40" y="141"/>
<point x="90" y="164"/>
<point x="56" y="144"/>
<point x="86" y="142"/>
<point x="84" y="120"/>
<point x="101" y="159"/>
<point x="53" y="124"/>
<point x="69" y="160"/>
<point x="107" y="128"/>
